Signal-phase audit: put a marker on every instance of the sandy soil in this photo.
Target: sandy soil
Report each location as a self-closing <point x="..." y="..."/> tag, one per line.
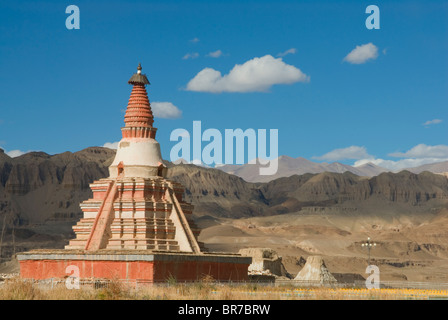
<point x="411" y="247"/>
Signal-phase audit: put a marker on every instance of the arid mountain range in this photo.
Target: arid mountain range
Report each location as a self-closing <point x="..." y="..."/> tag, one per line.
<point x="328" y="213"/>
<point x="288" y="166"/>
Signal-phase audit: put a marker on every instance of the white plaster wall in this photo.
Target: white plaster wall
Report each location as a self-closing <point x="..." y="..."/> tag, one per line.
<point x="140" y="156"/>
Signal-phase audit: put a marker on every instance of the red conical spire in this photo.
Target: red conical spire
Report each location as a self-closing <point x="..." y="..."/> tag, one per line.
<point x="139" y="118"/>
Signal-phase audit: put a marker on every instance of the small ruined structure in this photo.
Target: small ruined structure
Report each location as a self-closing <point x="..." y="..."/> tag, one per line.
<point x="315" y="271"/>
<point x="265" y="261"/>
<point x="137" y="225"/>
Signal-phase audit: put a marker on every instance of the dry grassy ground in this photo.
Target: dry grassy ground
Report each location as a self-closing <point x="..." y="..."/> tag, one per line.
<point x="18" y="289"/>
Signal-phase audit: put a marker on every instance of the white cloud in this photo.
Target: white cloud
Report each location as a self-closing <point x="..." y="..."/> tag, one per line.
<point x="257" y="74"/>
<point x="111" y="145"/>
<point x="180" y="161"/>
<point x="194" y="40"/>
<point x="289" y="51"/>
<point x="419" y="155"/>
<point x="193" y="55"/>
<point x="215" y="54"/>
<point x="423" y="151"/>
<point x="362" y="53"/>
<point x="434" y="121"/>
<point x="196" y="162"/>
<point x="15" y="153"/>
<point x="352" y="152"/>
<point x="399" y="164"/>
<point x="165" y="110"/>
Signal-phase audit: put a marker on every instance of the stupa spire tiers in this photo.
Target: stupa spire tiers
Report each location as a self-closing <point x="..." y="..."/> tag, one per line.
<point x="139" y="118"/>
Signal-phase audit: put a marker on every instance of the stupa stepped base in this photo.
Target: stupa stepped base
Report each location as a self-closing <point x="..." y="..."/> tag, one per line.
<point x="140" y="215"/>
<point x="139" y="265"/>
<point x="152" y="228"/>
<point x="143" y="244"/>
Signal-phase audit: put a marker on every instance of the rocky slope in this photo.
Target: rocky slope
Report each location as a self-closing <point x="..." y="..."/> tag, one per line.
<point x="438" y="167"/>
<point x="288" y="166"/>
<point x="36" y="187"/>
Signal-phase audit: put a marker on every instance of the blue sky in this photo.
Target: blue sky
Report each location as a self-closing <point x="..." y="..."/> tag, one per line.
<point x="65" y="90"/>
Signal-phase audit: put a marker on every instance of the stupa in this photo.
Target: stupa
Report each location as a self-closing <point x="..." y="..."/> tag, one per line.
<point x="136" y="226"/>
